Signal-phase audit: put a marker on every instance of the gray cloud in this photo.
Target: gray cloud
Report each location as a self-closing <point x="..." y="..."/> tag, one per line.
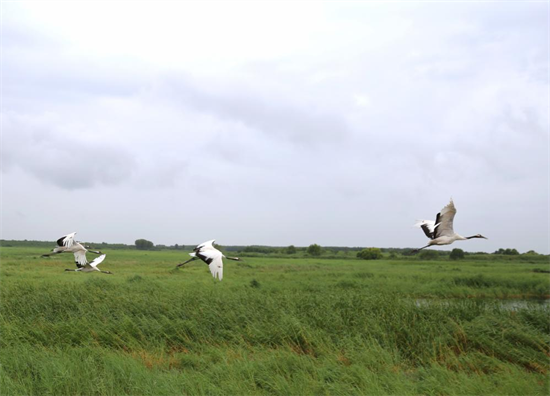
<point x="299" y="124"/>
<point x="62" y="159"/>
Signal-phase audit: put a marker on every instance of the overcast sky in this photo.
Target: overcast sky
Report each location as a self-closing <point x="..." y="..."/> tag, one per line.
<point x="275" y="123"/>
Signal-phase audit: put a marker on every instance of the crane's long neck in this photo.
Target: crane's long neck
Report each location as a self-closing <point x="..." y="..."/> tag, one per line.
<point x="476" y="236"/>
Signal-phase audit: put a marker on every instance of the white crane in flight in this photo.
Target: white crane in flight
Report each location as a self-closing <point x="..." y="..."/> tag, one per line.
<point x="91" y="267"/>
<point x="441" y="230"/>
<point x="67" y="244"/>
<point x="211" y="256"/>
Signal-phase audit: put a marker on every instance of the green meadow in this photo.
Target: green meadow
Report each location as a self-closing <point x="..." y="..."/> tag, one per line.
<point x="273" y="326"/>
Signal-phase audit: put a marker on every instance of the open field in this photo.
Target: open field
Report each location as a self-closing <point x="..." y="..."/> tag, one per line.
<point x="273" y="326"/>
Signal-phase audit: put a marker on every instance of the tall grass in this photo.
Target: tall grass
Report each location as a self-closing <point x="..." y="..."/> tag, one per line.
<point x="273" y="326"/>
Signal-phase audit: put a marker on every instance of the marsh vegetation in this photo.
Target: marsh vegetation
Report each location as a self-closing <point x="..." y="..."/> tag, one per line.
<point x="277" y="326"/>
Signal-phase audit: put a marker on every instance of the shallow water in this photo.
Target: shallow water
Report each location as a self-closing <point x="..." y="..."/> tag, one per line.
<point x="507" y="304"/>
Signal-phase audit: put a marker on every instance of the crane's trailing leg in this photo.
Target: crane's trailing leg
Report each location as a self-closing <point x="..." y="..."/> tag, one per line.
<point x="50" y="254"/>
<point x="417" y="250"/>
<point x="191" y="259"/>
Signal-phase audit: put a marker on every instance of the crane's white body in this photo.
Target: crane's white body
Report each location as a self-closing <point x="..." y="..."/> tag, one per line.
<point x="441" y="230"/>
<point x="67" y="244"/>
<point x="211" y="256"/>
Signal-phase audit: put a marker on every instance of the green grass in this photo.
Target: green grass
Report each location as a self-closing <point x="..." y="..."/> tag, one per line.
<point x="274" y="326"/>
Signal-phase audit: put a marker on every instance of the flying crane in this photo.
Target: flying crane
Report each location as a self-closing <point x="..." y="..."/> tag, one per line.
<point x="67" y="244"/>
<point x="211" y="256"/>
<point x="91" y="267"/>
<point x="441" y="230"/>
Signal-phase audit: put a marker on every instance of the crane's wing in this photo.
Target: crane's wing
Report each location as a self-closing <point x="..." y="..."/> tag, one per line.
<point x="97" y="260"/>
<point x="216" y="267"/>
<point x="66" y="240"/>
<point x="205" y="245"/>
<point x="207" y="255"/>
<point x="444" y="221"/>
<point x="80" y="258"/>
<point x="428" y="226"/>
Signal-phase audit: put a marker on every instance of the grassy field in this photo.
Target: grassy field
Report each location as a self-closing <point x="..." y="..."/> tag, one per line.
<point x="274" y="326"/>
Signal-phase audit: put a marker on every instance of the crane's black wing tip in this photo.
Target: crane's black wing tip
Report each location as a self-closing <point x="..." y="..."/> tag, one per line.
<point x="427" y="231"/>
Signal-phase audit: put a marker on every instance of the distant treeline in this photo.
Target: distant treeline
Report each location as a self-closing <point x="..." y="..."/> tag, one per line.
<point x="313" y="250"/>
